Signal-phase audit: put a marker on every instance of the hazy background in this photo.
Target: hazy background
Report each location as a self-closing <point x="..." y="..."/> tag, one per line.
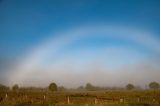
<point x="73" y="42"/>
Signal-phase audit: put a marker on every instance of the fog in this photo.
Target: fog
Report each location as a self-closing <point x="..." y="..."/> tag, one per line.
<point x="64" y="61"/>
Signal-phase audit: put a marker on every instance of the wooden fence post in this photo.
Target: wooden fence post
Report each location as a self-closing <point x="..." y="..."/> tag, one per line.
<point x="26" y="96"/>
<point x="68" y="100"/>
<point x="44" y="97"/>
<point x="95" y="101"/>
<point x="86" y="104"/>
<point x="6" y="96"/>
<point x="121" y="100"/>
<point x="138" y="99"/>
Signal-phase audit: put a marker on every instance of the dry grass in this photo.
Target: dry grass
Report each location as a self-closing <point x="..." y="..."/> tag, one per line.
<point x="72" y="98"/>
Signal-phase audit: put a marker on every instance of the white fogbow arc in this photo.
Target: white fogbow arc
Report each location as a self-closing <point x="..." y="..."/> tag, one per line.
<point x="29" y="62"/>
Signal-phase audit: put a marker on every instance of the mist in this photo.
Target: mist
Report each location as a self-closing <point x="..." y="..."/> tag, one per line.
<point x="72" y="43"/>
<point x="73" y="59"/>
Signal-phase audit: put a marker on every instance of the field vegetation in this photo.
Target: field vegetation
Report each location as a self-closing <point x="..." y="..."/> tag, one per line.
<point x="60" y="96"/>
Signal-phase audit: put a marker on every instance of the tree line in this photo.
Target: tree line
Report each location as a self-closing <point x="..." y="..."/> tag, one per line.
<point x="89" y="87"/>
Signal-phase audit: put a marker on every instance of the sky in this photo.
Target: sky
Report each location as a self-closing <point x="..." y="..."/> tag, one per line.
<point x="105" y="42"/>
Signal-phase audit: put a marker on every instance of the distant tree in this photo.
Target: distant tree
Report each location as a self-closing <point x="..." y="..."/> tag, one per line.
<point x="80" y="88"/>
<point x="61" y="88"/>
<point x="52" y="87"/>
<point x="15" y="87"/>
<point x="90" y="87"/>
<point x="130" y="86"/>
<point x="3" y="87"/>
<point x="154" y="85"/>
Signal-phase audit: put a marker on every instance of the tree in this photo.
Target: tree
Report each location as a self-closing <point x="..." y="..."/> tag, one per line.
<point x="154" y="85"/>
<point x="3" y="88"/>
<point x="15" y="87"/>
<point x="80" y="88"/>
<point x="61" y="88"/>
<point x="90" y="87"/>
<point x="130" y="86"/>
<point x="52" y="87"/>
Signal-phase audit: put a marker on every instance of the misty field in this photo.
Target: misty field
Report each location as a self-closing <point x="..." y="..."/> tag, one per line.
<point x="81" y="98"/>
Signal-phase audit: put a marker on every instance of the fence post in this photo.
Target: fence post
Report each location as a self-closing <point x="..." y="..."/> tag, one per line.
<point x="121" y="100"/>
<point x="154" y="100"/>
<point x="44" y="97"/>
<point x="95" y="101"/>
<point x="138" y="100"/>
<point x="6" y="96"/>
<point x="26" y="96"/>
<point x="68" y="100"/>
<point x="86" y="104"/>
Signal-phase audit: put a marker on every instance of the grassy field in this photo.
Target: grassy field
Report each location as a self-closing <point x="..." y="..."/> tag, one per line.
<point x="81" y="98"/>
